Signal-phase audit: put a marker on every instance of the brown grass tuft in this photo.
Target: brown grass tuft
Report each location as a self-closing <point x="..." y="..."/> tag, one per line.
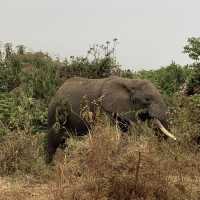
<point x="105" y="168"/>
<point x="21" y="152"/>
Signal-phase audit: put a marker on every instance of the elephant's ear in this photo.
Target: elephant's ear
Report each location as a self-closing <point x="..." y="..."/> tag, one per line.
<point x="116" y="97"/>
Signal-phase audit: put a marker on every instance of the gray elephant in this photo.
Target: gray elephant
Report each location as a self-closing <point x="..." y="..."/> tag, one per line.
<point x="118" y="96"/>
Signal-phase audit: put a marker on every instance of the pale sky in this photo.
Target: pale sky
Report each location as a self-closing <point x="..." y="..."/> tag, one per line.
<point x="151" y="33"/>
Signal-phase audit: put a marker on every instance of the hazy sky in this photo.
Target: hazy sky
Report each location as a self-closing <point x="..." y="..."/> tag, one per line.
<point x="151" y="33"/>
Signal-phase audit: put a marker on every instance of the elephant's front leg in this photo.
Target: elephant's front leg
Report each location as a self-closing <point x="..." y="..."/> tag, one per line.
<point x="55" y="139"/>
<point x="122" y="122"/>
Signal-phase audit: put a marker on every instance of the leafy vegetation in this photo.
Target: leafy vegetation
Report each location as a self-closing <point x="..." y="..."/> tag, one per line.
<point x="193" y="51"/>
<point x="100" y="165"/>
<point x="169" y="79"/>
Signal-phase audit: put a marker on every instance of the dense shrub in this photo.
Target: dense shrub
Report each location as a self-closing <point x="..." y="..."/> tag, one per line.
<point x="9" y="74"/>
<point x="80" y="66"/>
<point x="19" y="111"/>
<point x="168" y="79"/>
<point x="99" y="63"/>
<point x="192" y="48"/>
<point x="35" y="72"/>
<point x="39" y="76"/>
<point x="193" y="81"/>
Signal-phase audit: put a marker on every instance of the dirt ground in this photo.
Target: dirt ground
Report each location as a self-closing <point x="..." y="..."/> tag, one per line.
<point x="22" y="190"/>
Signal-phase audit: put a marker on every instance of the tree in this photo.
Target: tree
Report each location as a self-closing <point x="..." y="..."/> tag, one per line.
<point x="168" y="79"/>
<point x="8" y="50"/>
<point x="21" y="49"/>
<point x="193" y="48"/>
<point x="193" y="51"/>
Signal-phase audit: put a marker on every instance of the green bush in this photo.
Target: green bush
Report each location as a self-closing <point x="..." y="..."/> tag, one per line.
<point x="9" y="73"/>
<point x="99" y="63"/>
<point x="39" y="77"/>
<point x="22" y="112"/>
<point x="192" y="48"/>
<point x="193" y="81"/>
<point x="36" y="72"/>
<point x="167" y="79"/>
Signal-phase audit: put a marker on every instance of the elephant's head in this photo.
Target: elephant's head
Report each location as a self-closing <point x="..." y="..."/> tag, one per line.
<point x="128" y="96"/>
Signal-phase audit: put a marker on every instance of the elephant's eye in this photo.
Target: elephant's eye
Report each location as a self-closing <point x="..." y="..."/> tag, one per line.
<point x="147" y="99"/>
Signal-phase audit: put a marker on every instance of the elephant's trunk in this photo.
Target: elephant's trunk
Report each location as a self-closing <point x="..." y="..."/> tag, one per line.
<point x="158" y="111"/>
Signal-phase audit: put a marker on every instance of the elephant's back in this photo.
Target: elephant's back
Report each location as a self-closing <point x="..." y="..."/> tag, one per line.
<point x="74" y="89"/>
<point x="79" y="87"/>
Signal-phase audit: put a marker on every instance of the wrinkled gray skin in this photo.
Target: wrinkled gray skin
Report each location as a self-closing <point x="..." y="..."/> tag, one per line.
<point x="119" y="95"/>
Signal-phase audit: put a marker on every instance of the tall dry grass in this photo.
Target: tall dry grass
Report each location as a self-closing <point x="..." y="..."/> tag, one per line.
<point x="104" y="167"/>
<point x="21" y="153"/>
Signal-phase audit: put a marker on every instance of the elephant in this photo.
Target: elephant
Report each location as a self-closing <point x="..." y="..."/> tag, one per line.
<point x="118" y="96"/>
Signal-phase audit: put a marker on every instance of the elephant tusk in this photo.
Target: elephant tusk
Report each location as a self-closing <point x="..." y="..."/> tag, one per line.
<point x="131" y="123"/>
<point x="164" y="130"/>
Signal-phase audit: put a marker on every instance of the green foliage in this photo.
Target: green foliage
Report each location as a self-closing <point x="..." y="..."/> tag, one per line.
<point x="168" y="79"/>
<point x="28" y="113"/>
<point x="99" y="62"/>
<point x="193" y="85"/>
<point x="79" y="66"/>
<point x="193" y="51"/>
<point x="184" y="117"/>
<point x="196" y="101"/>
<point x="193" y="48"/>
<point x="10" y="73"/>
<point x="39" y="76"/>
<point x="35" y="72"/>
<point x="22" y="112"/>
<point x="21" y="49"/>
<point x="28" y="80"/>
<point x="6" y="103"/>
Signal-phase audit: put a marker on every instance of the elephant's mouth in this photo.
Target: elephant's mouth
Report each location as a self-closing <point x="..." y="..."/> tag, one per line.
<point x="125" y="122"/>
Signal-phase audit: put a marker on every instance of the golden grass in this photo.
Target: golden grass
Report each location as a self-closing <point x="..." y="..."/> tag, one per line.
<point x="105" y="168"/>
<point x="100" y="166"/>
